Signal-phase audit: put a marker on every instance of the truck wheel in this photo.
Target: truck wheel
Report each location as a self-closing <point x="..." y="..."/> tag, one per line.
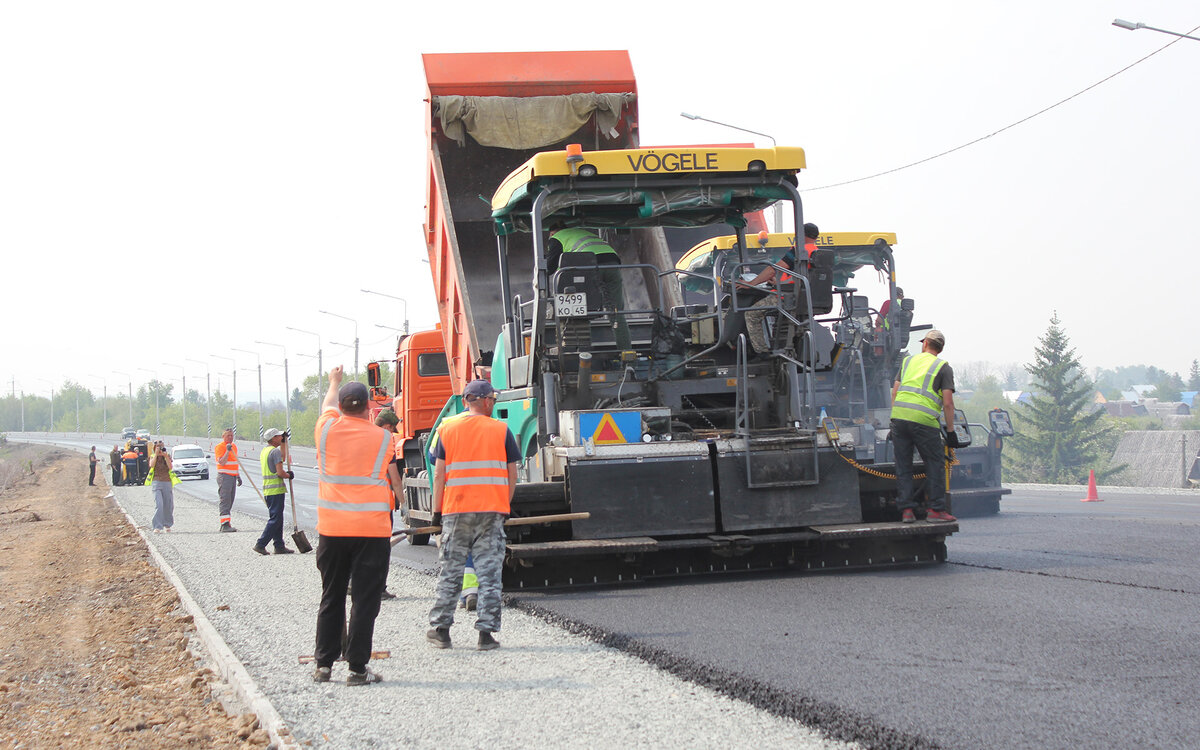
<point x="418" y="540"/>
<point x="204" y="475"/>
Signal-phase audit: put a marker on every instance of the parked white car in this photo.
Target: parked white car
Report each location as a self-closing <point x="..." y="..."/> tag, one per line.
<point x="189" y="461"/>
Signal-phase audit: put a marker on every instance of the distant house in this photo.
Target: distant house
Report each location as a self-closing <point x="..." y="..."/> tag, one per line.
<point x="1125" y="409"/>
<point x="1018" y="397"/>
<point x="1157" y="458"/>
<point x="1098" y="398"/>
<point x="1142" y="390"/>
<point x="1189" y="398"/>
<point x="1162" y="409"/>
<point x="1131" y="395"/>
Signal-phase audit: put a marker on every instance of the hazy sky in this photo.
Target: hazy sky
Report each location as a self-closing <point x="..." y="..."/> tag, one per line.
<point x="180" y="178"/>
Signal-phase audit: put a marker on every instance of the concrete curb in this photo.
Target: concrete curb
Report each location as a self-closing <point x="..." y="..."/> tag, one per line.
<point x="231" y="668"/>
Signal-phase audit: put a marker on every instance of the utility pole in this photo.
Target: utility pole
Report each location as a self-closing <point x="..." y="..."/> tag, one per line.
<point x="104" y="403"/>
<point x="157" y="424"/>
<point x="76" y="409"/>
<point x="1184" y="457"/>
<point x="183" y="401"/>
<point x="118" y="372"/>
<point x="207" y="392"/>
<point x="261" y="427"/>
<point x="233" y="366"/>
<point x="319" y="363"/>
<point x="287" y="389"/>
<point x="392" y="296"/>
<point x="355" y="322"/>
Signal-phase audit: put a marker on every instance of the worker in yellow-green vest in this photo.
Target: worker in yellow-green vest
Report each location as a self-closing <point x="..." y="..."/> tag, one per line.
<point x="576" y="240"/>
<point x="924" y="388"/>
<point x="273" y="460"/>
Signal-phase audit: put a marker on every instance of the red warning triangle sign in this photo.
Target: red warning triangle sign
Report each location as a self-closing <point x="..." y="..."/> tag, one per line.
<point x="607" y="432"/>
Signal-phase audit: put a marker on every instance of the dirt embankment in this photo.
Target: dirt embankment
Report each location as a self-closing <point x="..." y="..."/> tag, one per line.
<point x="93" y="643"/>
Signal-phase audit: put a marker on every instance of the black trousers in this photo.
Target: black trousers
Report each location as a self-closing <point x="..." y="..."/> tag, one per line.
<point x="928" y="442"/>
<point x="116" y="472"/>
<point x="91" y="473"/>
<point x="343" y="560"/>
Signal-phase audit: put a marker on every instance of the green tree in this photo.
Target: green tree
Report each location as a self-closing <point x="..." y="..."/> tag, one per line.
<point x="1193" y="383"/>
<point x="1060" y="435"/>
<point x="1168" y="388"/>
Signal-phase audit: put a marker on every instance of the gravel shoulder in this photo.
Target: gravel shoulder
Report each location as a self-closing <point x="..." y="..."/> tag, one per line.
<point x="94" y="649"/>
<point x="543" y="687"/>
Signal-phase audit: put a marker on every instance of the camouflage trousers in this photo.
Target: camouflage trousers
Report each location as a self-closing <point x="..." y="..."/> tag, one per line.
<point x="480" y="535"/>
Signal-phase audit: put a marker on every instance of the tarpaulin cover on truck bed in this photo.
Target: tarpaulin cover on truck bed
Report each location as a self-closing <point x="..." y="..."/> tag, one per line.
<point x="526" y="122"/>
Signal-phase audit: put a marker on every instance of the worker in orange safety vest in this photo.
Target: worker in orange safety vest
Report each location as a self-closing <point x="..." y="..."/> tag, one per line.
<point x="354" y="524"/>
<point x="228" y="478"/>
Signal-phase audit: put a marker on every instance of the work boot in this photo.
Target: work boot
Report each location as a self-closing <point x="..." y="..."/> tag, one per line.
<point x="438" y="637"/>
<point x="227" y="527"/>
<point x="284" y="551"/>
<point x="321" y="674"/>
<point x="387" y="595"/>
<point x="939" y="516"/>
<point x="365" y="677"/>
<point x="487" y="642"/>
<point x="260" y="550"/>
<point x="908" y="516"/>
<point x="472" y="602"/>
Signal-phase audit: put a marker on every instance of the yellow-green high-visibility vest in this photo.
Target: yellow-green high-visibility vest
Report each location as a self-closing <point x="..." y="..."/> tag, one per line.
<point x="916" y="401"/>
<point x="272" y="484"/>
<point x="582" y="241"/>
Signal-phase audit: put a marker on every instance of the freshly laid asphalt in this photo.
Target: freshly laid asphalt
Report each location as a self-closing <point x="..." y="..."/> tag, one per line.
<point x="1056" y="624"/>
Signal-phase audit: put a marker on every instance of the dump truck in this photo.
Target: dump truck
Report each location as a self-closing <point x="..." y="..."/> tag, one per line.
<point x="862" y="351"/>
<point x="687" y="454"/>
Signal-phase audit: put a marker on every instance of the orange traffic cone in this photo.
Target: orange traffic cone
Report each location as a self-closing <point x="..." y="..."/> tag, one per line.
<point x="1092" y="497"/>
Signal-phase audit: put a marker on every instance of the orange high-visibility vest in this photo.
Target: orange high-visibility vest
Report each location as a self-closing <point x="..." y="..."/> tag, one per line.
<point x="809" y="248"/>
<point x="227" y="459"/>
<point x="353" y="494"/>
<point x="476" y="465"/>
<point x="129" y="456"/>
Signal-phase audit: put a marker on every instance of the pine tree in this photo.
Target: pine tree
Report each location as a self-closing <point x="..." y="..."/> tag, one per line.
<point x="1193" y="383"/>
<point x="1059" y="436"/>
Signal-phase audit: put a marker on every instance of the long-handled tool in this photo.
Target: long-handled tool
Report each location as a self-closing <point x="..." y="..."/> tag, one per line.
<point x="298" y="535"/>
<point x="398" y="536"/>
<point x="251" y="481"/>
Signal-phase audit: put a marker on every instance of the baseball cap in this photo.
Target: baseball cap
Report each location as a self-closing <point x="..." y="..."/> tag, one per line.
<point x="935" y="336"/>
<point x="811" y="231"/>
<point x="352" y="395"/>
<point x="270" y="433"/>
<point x="387" y="417"/>
<point x="478" y="388"/>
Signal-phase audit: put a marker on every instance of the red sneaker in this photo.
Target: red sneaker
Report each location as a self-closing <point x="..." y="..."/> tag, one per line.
<point x="939" y="516"/>
<point x="908" y="516"/>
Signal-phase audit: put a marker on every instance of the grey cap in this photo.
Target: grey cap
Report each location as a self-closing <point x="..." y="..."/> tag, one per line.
<point x="270" y="433"/>
<point x="935" y="336"/>
<point x="478" y="388"/>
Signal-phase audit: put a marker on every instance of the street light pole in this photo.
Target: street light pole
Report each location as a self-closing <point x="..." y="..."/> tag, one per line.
<point x="207" y="392"/>
<point x="355" y="322"/>
<point x="183" y="402"/>
<point x="1134" y="26"/>
<point x="233" y="366"/>
<point x="258" y="359"/>
<point x="287" y="388"/>
<point x="778" y="207"/>
<point x="319" y="363"/>
<point x="392" y="296"/>
<point x="118" y="372"/>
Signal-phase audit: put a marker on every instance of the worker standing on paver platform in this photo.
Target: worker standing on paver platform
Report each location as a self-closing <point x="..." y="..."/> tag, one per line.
<point x="274" y="471"/>
<point x="474" y="480"/>
<point x="354" y="525"/>
<point x="129" y="459"/>
<point x="923" y="388"/>
<point x="228" y="478"/>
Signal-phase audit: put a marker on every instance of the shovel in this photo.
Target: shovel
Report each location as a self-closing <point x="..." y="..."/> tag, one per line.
<point x="298" y="536"/>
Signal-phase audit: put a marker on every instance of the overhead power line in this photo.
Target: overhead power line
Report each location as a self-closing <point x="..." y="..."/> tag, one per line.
<point x="1006" y="127"/>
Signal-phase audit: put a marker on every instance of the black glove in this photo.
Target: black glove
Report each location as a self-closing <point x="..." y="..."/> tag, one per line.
<point x="952" y="439"/>
<point x="291" y="474"/>
<point x="437" y="519"/>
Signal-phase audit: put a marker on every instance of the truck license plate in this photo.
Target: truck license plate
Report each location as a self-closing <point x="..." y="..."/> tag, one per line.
<point x="573" y="305"/>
